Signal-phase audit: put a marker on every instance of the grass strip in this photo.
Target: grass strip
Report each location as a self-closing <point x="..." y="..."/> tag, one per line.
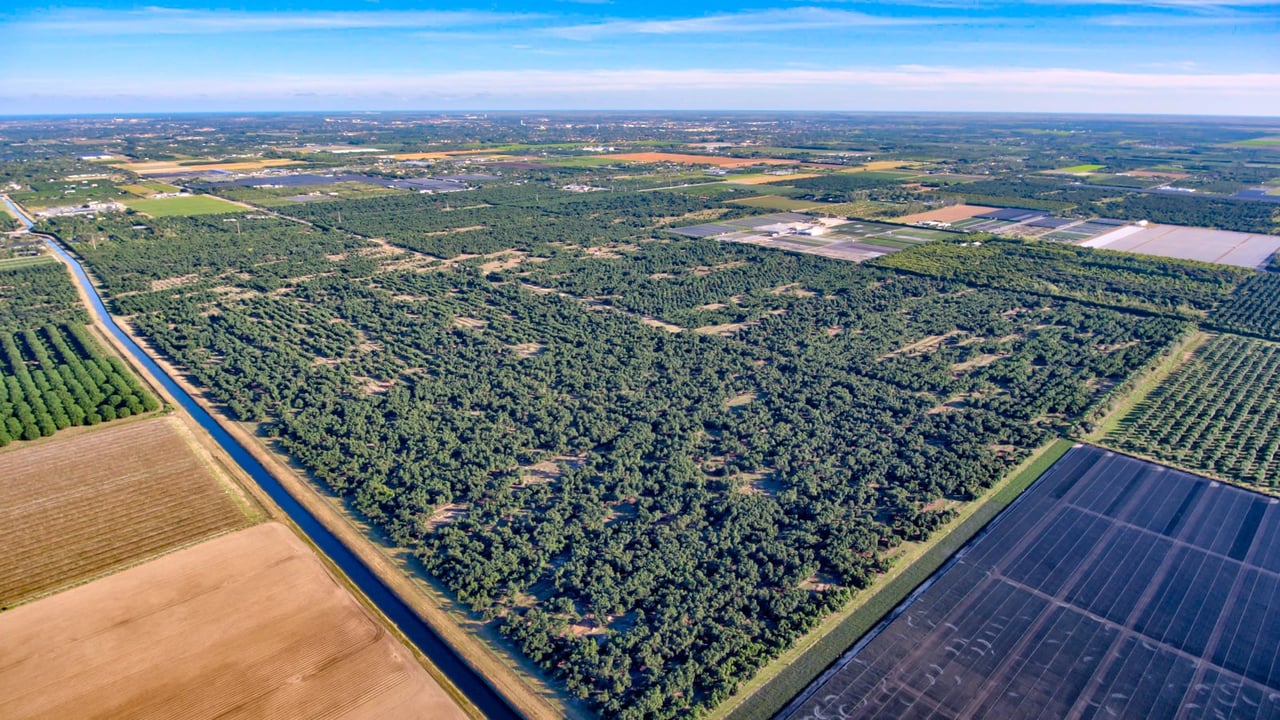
<point x="1149" y="381"/>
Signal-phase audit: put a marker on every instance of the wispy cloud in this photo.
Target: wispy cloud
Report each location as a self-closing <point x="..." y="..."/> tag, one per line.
<point x="1226" y="18"/>
<point x="533" y="82"/>
<point x="1189" y="5"/>
<point x="174" y="21"/>
<point x="775" y="20"/>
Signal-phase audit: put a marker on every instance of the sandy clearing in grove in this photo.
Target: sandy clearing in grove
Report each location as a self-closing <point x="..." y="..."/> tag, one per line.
<point x="74" y="508"/>
<point x="946" y="214"/>
<point x="247" y="625"/>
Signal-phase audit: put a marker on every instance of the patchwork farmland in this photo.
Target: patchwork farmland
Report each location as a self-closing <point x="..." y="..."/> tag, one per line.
<point x="1113" y="588"/>
<point x="146" y="491"/>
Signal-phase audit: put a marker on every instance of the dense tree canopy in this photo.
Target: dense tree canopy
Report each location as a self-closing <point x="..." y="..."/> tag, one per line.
<point x="649" y="515"/>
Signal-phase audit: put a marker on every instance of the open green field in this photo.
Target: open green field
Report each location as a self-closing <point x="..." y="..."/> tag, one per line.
<point x="1087" y="168"/>
<point x="186" y="205"/>
<point x="881" y="174"/>
<point x="20" y="262"/>
<point x="149" y="187"/>
<point x="1271" y="141"/>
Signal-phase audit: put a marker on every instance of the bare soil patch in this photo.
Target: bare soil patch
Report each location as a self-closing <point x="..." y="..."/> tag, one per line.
<point x="946" y="214"/>
<point x="765" y="179"/>
<point x="91" y="504"/>
<point x="469" y="323"/>
<point x="725" y="329"/>
<point x="529" y="349"/>
<point x="981" y="361"/>
<point x="792" y="289"/>
<point x="654" y="322"/>
<point x="923" y="345"/>
<point x="246" y="625"/>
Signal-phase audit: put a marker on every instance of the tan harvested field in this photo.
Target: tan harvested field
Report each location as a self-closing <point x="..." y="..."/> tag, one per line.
<point x="946" y="214"/>
<point x="161" y="167"/>
<point x="248" y="625"/>
<point x="766" y="178"/>
<point x="717" y="160"/>
<point x="78" y="507"/>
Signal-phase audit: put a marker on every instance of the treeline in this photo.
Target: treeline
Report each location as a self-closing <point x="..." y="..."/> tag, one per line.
<point x="837" y="186"/>
<point x="1113" y="278"/>
<point x="502" y="217"/>
<point x="37" y="292"/>
<point x="1254" y="308"/>
<point x="1087" y="201"/>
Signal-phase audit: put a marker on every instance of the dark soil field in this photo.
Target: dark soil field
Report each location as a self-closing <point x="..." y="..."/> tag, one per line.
<point x="1113" y="588"/>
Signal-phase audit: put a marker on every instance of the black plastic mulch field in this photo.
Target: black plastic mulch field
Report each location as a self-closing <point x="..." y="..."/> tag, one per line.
<point x="1114" y="588"/>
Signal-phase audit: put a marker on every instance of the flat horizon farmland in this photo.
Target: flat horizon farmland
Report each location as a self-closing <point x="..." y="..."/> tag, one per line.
<point x="1114" y="587"/>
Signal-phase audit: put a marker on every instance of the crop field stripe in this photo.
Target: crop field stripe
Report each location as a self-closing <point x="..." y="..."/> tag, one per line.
<point x="72" y="522"/>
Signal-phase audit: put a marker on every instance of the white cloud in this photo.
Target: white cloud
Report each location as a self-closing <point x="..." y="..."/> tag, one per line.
<point x="897" y="88"/>
<point x="173" y="21"/>
<point x="773" y="21"/>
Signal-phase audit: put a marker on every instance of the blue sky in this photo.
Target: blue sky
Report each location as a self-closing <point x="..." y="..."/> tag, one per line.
<point x="1169" y="56"/>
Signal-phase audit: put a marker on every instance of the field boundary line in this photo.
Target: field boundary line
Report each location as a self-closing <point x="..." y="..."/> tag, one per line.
<point x="1146" y="382"/>
<point x="126" y="566"/>
<point x="1198" y="472"/>
<point x="789" y="674"/>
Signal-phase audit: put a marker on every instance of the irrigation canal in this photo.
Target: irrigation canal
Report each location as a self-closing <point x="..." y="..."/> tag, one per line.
<point x="466" y="679"/>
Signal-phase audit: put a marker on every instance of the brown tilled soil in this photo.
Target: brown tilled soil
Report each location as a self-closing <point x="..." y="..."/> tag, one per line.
<point x="946" y="214"/>
<point x="248" y="625"/>
<point x="73" y="508"/>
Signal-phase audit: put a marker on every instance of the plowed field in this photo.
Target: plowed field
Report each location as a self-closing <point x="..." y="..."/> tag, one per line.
<point x="248" y="625"/>
<point x="78" y="507"/>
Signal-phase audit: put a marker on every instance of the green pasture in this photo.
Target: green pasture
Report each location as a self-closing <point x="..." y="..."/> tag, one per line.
<point x="184" y="205"/>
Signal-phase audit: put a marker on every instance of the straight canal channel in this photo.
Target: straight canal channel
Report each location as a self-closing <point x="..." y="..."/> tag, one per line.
<point x="466" y="679"/>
